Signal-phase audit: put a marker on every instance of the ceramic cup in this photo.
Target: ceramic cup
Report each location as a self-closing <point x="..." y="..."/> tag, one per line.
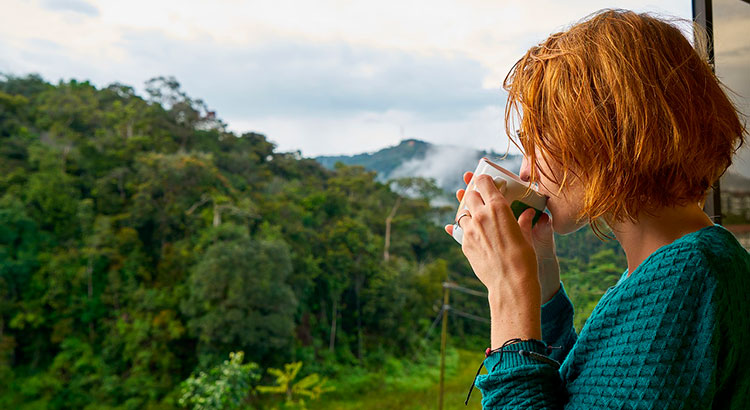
<point x="511" y="186"/>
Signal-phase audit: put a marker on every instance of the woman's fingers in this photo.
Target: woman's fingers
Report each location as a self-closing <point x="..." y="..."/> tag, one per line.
<point x="460" y="196"/>
<point x="474" y="200"/>
<point x="467" y="178"/>
<point x="487" y="188"/>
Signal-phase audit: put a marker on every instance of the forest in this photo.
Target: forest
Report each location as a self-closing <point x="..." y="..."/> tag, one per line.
<point x="150" y="258"/>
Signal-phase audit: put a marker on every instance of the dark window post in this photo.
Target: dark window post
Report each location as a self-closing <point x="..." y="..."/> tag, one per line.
<point x="703" y="16"/>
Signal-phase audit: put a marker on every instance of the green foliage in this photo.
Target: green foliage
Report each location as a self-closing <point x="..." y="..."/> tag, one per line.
<point x="140" y="241"/>
<point x="225" y="386"/>
<point x="413" y="385"/>
<point x="238" y="298"/>
<point x="309" y="387"/>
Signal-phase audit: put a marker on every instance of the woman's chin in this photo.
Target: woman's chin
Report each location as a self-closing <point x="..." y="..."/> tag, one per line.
<point x="561" y="226"/>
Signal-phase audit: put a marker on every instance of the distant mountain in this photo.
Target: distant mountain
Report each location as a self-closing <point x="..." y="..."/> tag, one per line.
<point x="411" y="157"/>
<point x="447" y="163"/>
<point x="384" y="161"/>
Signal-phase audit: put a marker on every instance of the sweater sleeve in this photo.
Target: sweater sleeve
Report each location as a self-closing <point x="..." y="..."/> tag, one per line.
<point x="649" y="345"/>
<point x="518" y="382"/>
<point x="557" y="324"/>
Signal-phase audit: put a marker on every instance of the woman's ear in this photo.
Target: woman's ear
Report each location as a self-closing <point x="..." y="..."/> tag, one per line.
<point x="702" y="202"/>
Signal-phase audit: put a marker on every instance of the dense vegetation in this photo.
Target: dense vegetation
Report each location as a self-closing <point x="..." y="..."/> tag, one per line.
<point x="141" y="243"/>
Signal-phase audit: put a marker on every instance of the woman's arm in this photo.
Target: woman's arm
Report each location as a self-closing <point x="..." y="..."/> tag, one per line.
<point x="557" y="324"/>
<point x="650" y="343"/>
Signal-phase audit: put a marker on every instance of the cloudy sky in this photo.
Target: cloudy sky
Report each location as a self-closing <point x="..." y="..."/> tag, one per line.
<point x="324" y="76"/>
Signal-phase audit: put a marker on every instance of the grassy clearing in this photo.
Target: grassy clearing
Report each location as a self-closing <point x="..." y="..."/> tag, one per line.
<point x="413" y="388"/>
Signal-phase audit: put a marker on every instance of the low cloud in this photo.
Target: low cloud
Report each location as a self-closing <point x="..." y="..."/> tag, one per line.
<point x="447" y="164"/>
<point x="75" y="6"/>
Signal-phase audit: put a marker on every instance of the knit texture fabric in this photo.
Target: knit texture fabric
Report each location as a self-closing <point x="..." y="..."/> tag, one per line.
<point x="675" y="334"/>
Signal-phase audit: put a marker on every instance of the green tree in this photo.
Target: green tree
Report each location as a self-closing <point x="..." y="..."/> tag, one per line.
<point x="225" y="386"/>
<point x="140" y="241"/>
<point x="238" y="298"/>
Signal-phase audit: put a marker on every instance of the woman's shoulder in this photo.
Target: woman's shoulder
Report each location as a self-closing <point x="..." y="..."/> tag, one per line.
<point x="726" y="264"/>
<point x="709" y="262"/>
<point x="709" y="266"/>
<point x="721" y="247"/>
<point x="712" y="249"/>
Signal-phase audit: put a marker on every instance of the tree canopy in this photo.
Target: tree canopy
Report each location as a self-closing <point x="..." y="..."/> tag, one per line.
<point x="140" y="242"/>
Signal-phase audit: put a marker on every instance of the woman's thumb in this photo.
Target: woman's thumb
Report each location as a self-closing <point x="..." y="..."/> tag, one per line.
<point x="525" y="222"/>
<point x="542" y="232"/>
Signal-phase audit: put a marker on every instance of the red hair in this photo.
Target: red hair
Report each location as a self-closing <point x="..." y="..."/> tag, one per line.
<point x="624" y="103"/>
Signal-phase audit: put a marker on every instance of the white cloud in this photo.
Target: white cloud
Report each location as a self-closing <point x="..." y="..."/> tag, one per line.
<point x="328" y="76"/>
<point x="303" y="79"/>
<point x="371" y="131"/>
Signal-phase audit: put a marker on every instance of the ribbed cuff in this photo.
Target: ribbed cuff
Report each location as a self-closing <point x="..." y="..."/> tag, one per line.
<point x="511" y="358"/>
<point x="557" y="309"/>
<point x="559" y="302"/>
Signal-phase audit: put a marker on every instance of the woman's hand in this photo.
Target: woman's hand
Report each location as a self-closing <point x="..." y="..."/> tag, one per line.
<point x="502" y="256"/>
<point x="543" y="241"/>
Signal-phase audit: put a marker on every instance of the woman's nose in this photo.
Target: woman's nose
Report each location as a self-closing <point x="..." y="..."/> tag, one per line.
<point x="525" y="172"/>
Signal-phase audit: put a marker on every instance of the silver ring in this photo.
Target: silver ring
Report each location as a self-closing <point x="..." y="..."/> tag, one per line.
<point x="464" y="213"/>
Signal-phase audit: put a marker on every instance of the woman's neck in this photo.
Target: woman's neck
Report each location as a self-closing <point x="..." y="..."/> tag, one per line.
<point x="650" y="232"/>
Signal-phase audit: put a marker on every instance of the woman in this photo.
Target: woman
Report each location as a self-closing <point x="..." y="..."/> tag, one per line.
<point x="622" y="123"/>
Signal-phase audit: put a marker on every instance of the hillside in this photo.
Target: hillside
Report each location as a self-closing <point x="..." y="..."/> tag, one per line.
<point x="141" y="243"/>
<point x="445" y="163"/>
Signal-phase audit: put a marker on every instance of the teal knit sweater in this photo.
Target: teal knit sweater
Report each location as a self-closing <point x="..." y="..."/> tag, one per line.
<point x="675" y="334"/>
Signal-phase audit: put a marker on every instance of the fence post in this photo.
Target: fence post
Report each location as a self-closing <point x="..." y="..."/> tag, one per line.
<point x="443" y="342"/>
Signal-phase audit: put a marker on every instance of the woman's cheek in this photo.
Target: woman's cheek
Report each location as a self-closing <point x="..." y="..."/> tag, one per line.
<point x="553" y="212"/>
<point x="560" y="219"/>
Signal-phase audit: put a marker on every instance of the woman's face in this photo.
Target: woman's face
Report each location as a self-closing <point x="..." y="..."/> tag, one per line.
<point x="564" y="206"/>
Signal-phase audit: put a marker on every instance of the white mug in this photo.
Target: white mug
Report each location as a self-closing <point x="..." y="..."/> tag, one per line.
<point x="511" y="186"/>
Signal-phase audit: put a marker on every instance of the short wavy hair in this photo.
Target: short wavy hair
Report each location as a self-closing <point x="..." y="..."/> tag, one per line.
<point x="623" y="102"/>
